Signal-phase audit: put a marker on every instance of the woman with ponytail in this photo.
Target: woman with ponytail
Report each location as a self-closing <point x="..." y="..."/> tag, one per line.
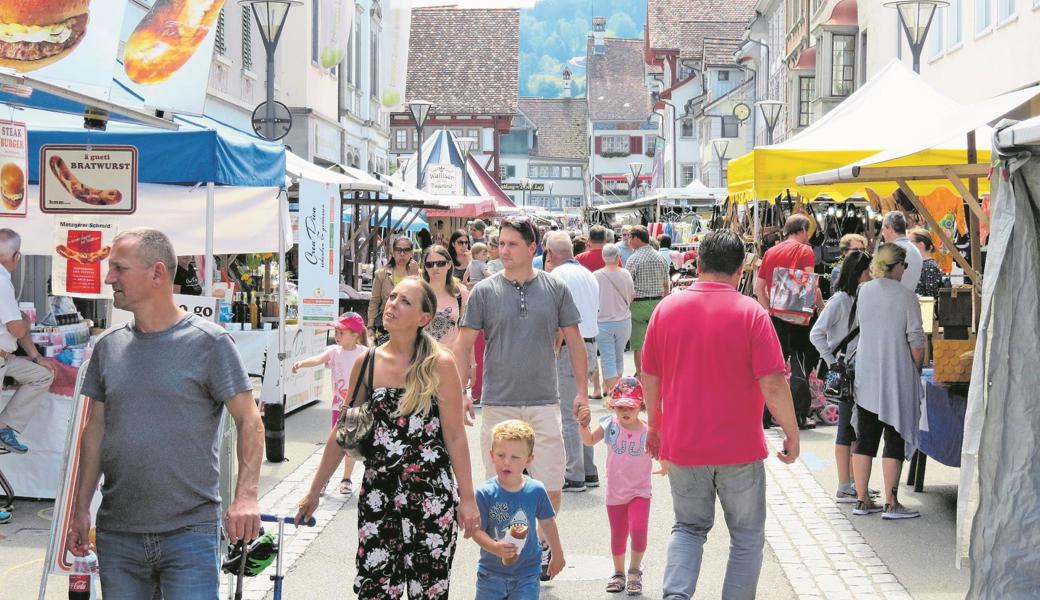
<point x="417" y="488"/>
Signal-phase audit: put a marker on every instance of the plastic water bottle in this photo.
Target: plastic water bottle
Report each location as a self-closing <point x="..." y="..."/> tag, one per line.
<point x="81" y="582"/>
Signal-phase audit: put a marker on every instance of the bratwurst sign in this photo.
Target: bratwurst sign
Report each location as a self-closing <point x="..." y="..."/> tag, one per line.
<point x="88" y="179"/>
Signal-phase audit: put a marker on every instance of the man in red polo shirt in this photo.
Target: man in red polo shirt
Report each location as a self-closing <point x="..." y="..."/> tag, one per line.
<point x="710" y="362"/>
<point x="592" y="259"/>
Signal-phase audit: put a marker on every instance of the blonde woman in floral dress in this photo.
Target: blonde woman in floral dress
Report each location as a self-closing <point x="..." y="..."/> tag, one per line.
<point x="417" y="488"/>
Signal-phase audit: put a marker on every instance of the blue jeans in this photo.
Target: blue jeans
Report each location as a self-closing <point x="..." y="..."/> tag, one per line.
<point x="611" y="341"/>
<point x="184" y="564"/>
<point x="496" y="586"/>
<point x="580" y="458"/>
<point x="742" y="491"/>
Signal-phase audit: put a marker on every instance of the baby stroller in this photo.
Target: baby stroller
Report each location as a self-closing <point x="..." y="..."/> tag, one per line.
<point x="807" y="390"/>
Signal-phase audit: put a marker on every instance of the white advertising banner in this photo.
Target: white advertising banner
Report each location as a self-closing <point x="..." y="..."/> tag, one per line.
<point x="14" y="158"/>
<point x="168" y="51"/>
<point x="82" y="244"/>
<point x="66" y="42"/>
<point x="319" y="253"/>
<point x="306" y="385"/>
<point x="443" y="180"/>
<point x="394" y="55"/>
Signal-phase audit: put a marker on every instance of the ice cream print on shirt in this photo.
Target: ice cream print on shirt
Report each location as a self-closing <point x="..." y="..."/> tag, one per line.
<point x="622" y="441"/>
<point x="509" y="526"/>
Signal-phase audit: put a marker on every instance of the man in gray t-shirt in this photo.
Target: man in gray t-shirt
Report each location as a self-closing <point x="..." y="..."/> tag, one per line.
<point x="520" y="311"/>
<point x="159" y="387"/>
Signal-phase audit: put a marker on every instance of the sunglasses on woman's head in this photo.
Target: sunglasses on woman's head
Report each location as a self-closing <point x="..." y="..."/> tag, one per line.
<point x="430" y="264"/>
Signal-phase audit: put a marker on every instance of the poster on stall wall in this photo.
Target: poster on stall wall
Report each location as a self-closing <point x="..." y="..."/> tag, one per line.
<point x="88" y="179"/>
<point x="443" y="180"/>
<point x="66" y="42"/>
<point x="168" y="51"/>
<point x="14" y="163"/>
<point x="319" y="253"/>
<point x="82" y="244"/>
<point x="394" y="55"/>
<point x="306" y="385"/>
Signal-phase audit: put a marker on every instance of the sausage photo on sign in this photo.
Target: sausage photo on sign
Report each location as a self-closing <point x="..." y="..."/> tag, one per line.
<point x="36" y="33"/>
<point x="85" y="258"/>
<point x="167" y="37"/>
<point x="79" y="190"/>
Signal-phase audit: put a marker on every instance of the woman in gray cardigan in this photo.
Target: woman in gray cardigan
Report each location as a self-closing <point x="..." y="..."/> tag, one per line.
<point x="888" y="383"/>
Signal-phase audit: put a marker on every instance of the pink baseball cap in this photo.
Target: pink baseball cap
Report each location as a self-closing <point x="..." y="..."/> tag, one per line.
<point x="627" y="393"/>
<point x="349" y="321"/>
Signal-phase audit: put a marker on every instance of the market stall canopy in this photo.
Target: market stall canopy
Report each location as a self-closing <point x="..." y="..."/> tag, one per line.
<point x="364" y="181"/>
<point x="702" y="196"/>
<point x="871" y="120"/>
<point x="399" y="217"/>
<point x="442" y="176"/>
<point x="1025" y="133"/>
<point x="403" y="191"/>
<point x="297" y="167"/>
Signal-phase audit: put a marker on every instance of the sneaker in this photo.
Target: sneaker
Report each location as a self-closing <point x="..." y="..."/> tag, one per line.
<point x="846" y="495"/>
<point x="898" y="511"/>
<point x="574" y="486"/>
<point x="5" y="517"/>
<point x="9" y="441"/>
<point x="866" y="508"/>
<point x="546" y="557"/>
<point x="591" y="481"/>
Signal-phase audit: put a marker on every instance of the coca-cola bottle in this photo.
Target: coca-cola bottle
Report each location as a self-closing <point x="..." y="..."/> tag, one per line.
<point x="81" y="582"/>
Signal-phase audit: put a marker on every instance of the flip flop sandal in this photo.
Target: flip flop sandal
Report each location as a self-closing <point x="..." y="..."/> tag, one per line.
<point x="345" y="487"/>
<point x="635" y="582"/>
<point x="617" y="583"/>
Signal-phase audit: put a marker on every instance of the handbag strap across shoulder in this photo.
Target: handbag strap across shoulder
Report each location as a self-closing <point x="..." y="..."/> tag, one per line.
<point x="367" y="371"/>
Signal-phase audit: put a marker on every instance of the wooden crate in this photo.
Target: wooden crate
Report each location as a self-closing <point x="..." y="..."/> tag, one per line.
<point x="947" y="359"/>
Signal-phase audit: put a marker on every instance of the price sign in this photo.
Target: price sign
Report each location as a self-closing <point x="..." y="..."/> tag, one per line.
<point x="202" y="306"/>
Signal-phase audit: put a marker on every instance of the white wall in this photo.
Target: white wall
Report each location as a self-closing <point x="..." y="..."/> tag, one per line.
<point x="301" y="82"/>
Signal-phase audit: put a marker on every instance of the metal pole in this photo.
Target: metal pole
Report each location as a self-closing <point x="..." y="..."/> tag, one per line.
<point x="973" y="231"/>
<point x="210" y="218"/>
<point x="269" y="110"/>
<point x="283" y="226"/>
<point x="418" y="156"/>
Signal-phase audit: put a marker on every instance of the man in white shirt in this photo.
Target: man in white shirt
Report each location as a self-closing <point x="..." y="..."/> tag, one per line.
<point x="580" y="472"/>
<point x="894" y="230"/>
<point x="33" y="374"/>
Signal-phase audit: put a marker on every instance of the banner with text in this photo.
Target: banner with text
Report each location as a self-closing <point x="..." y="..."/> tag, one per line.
<point x="319" y="253"/>
<point x="14" y="156"/>
<point x="80" y="263"/>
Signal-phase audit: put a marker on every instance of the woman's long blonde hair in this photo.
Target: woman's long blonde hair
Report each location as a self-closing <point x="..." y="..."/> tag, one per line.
<point x="421" y="379"/>
<point x="885" y="259"/>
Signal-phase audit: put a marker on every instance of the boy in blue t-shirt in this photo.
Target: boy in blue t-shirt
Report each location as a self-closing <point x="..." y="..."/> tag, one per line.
<point x="510" y="556"/>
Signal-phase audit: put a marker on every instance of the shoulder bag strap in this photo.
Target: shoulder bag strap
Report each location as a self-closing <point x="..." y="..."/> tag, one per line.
<point x="614" y="285"/>
<point x="371" y="372"/>
<point x="853" y="332"/>
<point x="361" y="373"/>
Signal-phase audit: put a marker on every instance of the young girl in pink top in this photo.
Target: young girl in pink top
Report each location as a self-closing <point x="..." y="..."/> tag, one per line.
<point x="629" y="467"/>
<point x="351" y="342"/>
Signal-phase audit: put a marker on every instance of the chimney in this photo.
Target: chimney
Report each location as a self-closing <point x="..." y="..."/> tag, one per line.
<point x="599" y="32"/>
<point x="566" y="82"/>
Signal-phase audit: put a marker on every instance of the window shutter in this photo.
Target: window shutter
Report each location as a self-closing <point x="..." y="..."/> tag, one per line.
<point x="635" y="144"/>
<point x="599" y="145"/>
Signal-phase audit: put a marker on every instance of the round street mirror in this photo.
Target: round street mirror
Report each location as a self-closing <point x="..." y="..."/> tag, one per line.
<point x="281" y="123"/>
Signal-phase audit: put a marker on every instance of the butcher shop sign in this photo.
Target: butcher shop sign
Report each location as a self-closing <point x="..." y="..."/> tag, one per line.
<point x="88" y="179"/>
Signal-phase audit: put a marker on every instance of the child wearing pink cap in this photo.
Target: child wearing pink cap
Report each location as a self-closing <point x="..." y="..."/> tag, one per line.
<point x="351" y="342"/>
<point x="629" y="467"/>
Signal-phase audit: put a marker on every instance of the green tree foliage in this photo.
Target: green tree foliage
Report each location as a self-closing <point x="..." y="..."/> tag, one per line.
<point x="554" y="34"/>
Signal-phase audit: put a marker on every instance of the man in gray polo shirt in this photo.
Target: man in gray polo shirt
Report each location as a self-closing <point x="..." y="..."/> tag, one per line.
<point x="159" y="386"/>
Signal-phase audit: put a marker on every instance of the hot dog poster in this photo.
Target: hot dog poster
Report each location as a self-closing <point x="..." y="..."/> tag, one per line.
<point x="62" y="41"/>
<point x="168" y="50"/>
<point x="88" y="179"/>
<point x="81" y="247"/>
<point x="14" y="158"/>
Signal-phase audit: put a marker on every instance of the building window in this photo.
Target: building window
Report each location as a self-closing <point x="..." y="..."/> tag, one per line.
<point x="532" y="171"/>
<point x="348" y="61"/>
<point x="687" y="174"/>
<point x="373" y="84"/>
<point x="983" y="15"/>
<point x="220" y="46"/>
<point x="508" y="171"/>
<point x="315" y="30"/>
<point x="475" y="134"/>
<point x="730" y="127"/>
<point x="543" y="171"/>
<point x="723" y="75"/>
<point x="806" y="92"/>
<point x="936" y="32"/>
<point x="247" y="38"/>
<point x="725" y="173"/>
<point x="843" y="70"/>
<point x="686" y="128"/>
<point x="1005" y="10"/>
<point x="401" y="139"/>
<point x="357" y="49"/>
<point x="615" y="144"/>
<point x="956" y="22"/>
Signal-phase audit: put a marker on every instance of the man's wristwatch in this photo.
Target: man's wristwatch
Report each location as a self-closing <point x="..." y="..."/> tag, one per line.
<point x="36" y="359"/>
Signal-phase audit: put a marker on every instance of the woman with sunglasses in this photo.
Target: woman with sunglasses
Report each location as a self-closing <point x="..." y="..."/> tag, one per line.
<point x="888" y="379"/>
<point x="402" y="264"/>
<point x="451" y="295"/>
<point x="458" y="246"/>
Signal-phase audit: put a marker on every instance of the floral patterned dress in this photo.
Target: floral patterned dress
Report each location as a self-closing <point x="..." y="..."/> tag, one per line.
<point x="407" y="504"/>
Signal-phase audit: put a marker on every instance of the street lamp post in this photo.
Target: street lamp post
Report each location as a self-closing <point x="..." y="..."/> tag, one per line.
<point x="915" y="16"/>
<point x="466" y="145"/>
<point x="636" y="168"/>
<point x="419" y="110"/>
<point x="270" y="19"/>
<point x="549" y="201"/>
<point x="770" y="110"/>
<point x="721" y="145"/>
<point x="525" y="184"/>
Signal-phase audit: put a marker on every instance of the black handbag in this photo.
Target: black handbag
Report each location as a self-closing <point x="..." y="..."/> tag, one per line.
<point x="830" y="250"/>
<point x="841" y="378"/>
<point x="354" y="428"/>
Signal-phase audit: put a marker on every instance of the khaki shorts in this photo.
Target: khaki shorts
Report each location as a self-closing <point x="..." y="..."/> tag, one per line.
<point x="549" y="455"/>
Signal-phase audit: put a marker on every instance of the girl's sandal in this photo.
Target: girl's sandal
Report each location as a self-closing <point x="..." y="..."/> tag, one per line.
<point x="616" y="584"/>
<point x="635" y="582"/>
<point x="345" y="487"/>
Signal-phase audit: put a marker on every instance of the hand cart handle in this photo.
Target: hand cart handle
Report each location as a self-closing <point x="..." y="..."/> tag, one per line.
<point x="286" y="519"/>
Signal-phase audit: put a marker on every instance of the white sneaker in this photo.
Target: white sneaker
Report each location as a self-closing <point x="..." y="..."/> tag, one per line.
<point x="898" y="511"/>
<point x="845" y="495"/>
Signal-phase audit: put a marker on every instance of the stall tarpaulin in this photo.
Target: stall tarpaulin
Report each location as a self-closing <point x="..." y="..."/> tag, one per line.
<point x="319" y="253"/>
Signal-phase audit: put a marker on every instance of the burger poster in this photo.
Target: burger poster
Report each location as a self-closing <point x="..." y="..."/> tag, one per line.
<point x="62" y="41"/>
<point x="80" y="261"/>
<point x="168" y="51"/>
<point x="88" y="179"/>
<point x="14" y="158"/>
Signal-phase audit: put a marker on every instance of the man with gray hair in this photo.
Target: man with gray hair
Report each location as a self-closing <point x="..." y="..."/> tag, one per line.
<point x="159" y="387"/>
<point x="33" y="373"/>
<point x="560" y="261"/>
<point x="893" y="229"/>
